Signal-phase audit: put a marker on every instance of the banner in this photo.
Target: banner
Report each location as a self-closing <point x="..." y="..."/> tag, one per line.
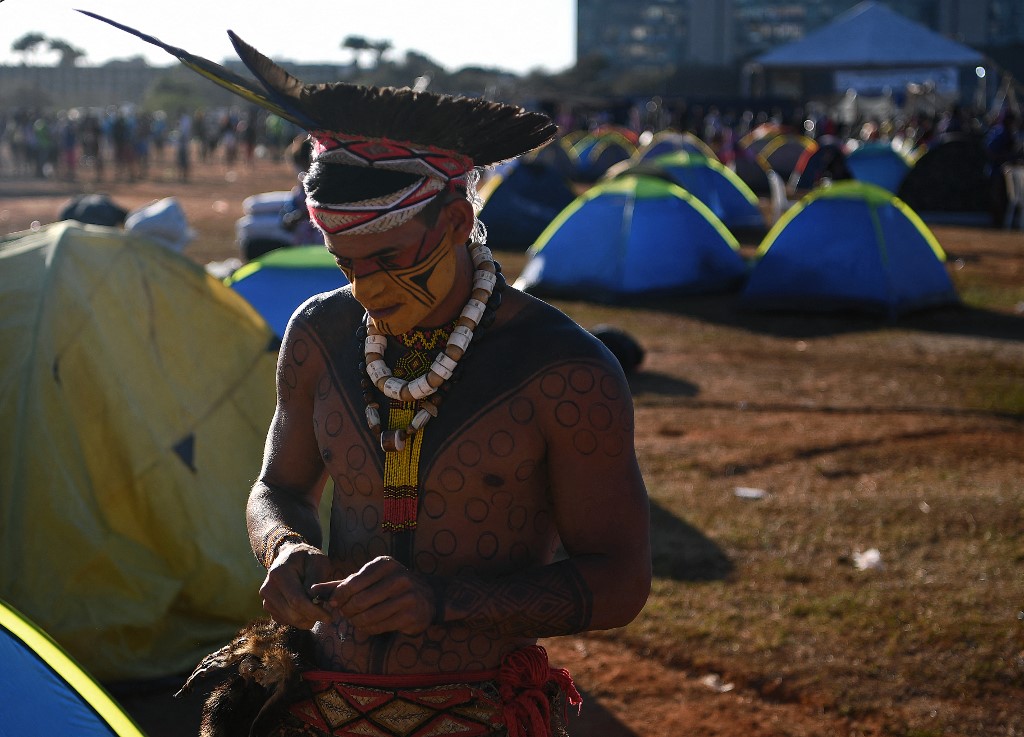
<point x="873" y="82"/>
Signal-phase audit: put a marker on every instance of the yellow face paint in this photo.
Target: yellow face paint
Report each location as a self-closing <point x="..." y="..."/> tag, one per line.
<point x="401" y="298"/>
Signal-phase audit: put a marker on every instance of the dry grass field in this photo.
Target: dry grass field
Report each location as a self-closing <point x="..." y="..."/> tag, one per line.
<point x="858" y="435"/>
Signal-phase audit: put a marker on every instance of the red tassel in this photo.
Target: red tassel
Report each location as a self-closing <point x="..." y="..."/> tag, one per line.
<point x="400" y="514"/>
<point x="521" y="681"/>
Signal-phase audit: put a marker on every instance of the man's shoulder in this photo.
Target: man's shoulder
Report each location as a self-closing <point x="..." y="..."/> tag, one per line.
<point x="330" y="314"/>
<point x="543" y="330"/>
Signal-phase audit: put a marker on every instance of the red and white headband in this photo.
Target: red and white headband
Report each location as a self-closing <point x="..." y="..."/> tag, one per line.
<point x="437" y="169"/>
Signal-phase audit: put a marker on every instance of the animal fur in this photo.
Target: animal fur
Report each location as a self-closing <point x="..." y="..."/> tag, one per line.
<point x="264" y="666"/>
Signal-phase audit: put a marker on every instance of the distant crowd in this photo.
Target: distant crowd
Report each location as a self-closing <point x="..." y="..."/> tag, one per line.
<point x="123" y="143"/>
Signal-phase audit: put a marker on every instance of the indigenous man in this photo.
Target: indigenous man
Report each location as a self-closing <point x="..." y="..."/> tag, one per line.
<point x="480" y="443"/>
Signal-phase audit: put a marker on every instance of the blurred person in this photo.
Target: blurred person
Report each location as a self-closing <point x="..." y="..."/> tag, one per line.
<point x="1002" y="146"/>
<point x="92" y="145"/>
<point x="183" y="145"/>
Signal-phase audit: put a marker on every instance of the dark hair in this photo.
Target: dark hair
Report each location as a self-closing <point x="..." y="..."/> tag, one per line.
<point x="301" y="152"/>
<point x="337" y="183"/>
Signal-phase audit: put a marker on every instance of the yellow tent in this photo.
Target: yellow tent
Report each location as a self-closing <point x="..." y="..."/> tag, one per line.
<point x="135" y="393"/>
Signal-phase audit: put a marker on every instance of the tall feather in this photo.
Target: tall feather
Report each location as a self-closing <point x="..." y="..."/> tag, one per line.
<point x="222" y="76"/>
<point x="485" y="132"/>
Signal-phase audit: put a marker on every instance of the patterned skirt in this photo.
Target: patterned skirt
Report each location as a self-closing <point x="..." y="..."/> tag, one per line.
<point x="524" y="697"/>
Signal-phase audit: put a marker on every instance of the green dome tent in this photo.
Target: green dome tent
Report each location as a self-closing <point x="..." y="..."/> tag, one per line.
<point x="136" y="391"/>
<point x="850" y="246"/>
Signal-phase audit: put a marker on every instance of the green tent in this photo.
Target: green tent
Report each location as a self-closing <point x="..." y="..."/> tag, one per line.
<point x="135" y="393"/>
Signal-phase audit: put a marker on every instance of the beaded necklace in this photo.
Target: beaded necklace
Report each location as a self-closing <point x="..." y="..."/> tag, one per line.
<point x="415" y="389"/>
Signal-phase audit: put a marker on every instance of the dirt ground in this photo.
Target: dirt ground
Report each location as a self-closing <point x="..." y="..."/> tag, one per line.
<point x="627" y="692"/>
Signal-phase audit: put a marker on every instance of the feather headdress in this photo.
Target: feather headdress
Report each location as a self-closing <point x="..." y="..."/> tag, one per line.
<point x="433" y="140"/>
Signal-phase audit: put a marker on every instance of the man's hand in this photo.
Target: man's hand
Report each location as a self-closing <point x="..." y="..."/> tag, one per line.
<point x="383" y="596"/>
<point x="286" y="589"/>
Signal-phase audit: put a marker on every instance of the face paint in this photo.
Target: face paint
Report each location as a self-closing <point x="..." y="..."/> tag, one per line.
<point x="399" y="293"/>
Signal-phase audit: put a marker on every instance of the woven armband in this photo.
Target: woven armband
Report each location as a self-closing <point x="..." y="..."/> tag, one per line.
<point x="278" y="537"/>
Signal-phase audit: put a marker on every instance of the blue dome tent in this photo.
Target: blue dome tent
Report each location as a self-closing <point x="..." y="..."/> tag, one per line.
<point x="714" y="184"/>
<point x="520" y="200"/>
<point x="45" y="692"/>
<point x="276" y="283"/>
<point x="633" y="236"/>
<point x="879" y="164"/>
<point x="669" y="141"/>
<point x="850" y="246"/>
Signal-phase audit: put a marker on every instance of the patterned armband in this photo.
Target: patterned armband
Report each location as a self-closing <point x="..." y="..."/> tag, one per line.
<point x="273" y="542"/>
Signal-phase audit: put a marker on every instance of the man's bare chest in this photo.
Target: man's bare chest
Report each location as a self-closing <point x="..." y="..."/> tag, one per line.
<point x="480" y="485"/>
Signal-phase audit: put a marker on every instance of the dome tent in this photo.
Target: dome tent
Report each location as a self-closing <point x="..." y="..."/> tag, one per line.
<point x="850" y="246"/>
<point x="949" y="177"/>
<point x="45" y="692"/>
<point x="879" y="164"/>
<point x="277" y="282"/>
<point x="141" y="389"/>
<point x="633" y="236"/>
<point x="520" y="200"/>
<point x="714" y="184"/>
<point x="669" y="141"/>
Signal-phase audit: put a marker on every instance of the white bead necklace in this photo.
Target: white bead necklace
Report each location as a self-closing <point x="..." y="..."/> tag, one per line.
<point x="424" y="388"/>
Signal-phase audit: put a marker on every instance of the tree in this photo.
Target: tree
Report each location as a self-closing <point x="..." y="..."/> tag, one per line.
<point x="357" y="45"/>
<point x="69" y="55"/>
<point x="28" y="44"/>
<point x="380" y="48"/>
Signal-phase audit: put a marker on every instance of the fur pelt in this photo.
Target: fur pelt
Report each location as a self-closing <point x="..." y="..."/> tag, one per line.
<point x="263" y="666"/>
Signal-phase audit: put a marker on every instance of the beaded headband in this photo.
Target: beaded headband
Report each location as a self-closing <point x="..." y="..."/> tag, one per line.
<point x="438" y="171"/>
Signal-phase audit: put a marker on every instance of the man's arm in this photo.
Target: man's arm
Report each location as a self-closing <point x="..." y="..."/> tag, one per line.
<point x="603" y="519"/>
<point x="282" y="513"/>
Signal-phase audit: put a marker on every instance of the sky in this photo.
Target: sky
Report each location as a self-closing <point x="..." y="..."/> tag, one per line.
<point x="515" y="35"/>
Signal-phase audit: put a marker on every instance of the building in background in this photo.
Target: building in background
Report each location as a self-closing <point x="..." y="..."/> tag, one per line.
<point x="665" y="35"/>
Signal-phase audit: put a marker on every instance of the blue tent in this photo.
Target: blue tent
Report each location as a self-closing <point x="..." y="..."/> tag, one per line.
<point x="949" y="177"/>
<point x="520" y="201"/>
<point x="597" y="153"/>
<point x="669" y="141"/>
<point x="850" y="246"/>
<point x="714" y="184"/>
<point x="633" y="236"/>
<point x="43" y="692"/>
<point x="879" y="164"/>
<point x="281" y="280"/>
<point x="828" y="160"/>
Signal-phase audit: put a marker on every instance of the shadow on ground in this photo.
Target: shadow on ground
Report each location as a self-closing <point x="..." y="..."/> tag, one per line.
<point x="724" y="309"/>
<point x="681" y="552"/>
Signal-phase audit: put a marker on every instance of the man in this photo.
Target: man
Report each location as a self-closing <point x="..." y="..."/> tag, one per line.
<point x="480" y="443"/>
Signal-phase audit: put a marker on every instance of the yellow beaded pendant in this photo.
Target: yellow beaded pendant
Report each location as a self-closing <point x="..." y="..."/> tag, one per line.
<point x="402" y="456"/>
